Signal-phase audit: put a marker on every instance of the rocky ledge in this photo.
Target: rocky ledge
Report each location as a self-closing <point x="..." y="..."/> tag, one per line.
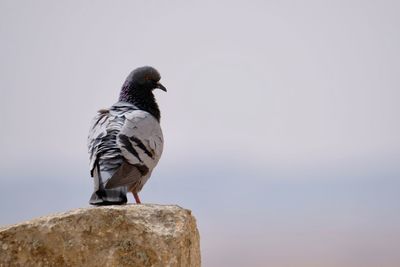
<point x="129" y="235"/>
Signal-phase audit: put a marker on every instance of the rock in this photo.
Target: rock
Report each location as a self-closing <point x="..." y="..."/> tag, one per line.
<point x="129" y="235"/>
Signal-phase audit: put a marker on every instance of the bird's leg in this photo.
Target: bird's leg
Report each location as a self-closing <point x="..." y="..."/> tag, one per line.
<point x="136" y="196"/>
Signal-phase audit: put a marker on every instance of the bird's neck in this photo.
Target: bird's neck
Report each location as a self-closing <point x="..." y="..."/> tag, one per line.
<point x="144" y="100"/>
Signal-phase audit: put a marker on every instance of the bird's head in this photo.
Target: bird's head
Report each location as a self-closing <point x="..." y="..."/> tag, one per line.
<point x="144" y="79"/>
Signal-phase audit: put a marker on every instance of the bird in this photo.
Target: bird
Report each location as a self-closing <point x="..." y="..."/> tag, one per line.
<point x="125" y="141"/>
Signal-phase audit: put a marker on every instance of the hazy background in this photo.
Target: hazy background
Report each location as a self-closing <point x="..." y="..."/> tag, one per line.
<point x="281" y="119"/>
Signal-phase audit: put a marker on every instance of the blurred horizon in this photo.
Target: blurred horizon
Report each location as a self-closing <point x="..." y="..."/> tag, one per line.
<point x="325" y="222"/>
<point x="281" y="120"/>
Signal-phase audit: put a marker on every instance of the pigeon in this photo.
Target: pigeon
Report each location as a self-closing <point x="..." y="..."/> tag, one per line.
<point x="125" y="142"/>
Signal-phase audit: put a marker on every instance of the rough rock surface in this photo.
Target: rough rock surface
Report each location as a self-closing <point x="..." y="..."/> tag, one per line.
<point x="129" y="235"/>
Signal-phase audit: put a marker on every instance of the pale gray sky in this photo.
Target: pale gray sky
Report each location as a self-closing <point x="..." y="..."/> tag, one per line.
<point x="301" y="96"/>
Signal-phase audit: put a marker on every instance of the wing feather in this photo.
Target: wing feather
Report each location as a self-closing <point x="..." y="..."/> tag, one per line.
<point x="141" y="144"/>
<point x="141" y="139"/>
<point x="96" y="133"/>
<point x="127" y="174"/>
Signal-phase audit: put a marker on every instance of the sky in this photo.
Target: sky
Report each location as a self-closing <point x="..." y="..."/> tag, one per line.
<point x="281" y="120"/>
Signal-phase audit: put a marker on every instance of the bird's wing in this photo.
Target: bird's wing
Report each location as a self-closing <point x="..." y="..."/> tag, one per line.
<point x="141" y="143"/>
<point x="126" y="174"/>
<point x="96" y="133"/>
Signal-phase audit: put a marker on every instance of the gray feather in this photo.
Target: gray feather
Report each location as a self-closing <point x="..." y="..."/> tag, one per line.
<point x="101" y="195"/>
<point x="126" y="143"/>
<point x="126" y="175"/>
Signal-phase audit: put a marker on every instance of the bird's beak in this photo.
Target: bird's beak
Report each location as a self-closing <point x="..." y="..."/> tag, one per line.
<point x="162" y="87"/>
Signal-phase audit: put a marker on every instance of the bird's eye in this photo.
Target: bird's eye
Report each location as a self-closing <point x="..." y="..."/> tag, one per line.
<point x="147" y="78"/>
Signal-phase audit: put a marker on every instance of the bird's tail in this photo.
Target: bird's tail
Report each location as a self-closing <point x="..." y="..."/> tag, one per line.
<point x="102" y="196"/>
